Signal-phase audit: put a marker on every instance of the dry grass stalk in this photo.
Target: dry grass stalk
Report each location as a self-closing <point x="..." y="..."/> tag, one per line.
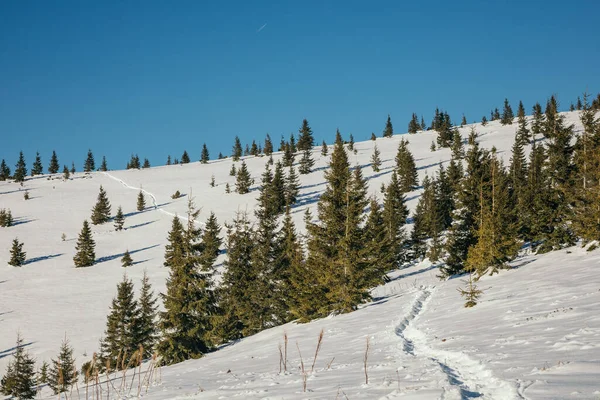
<point x="319" y="342"/>
<point x="108" y="382"/>
<point x="330" y="362"/>
<point x="280" y="356"/>
<point x="366" y="359"/>
<point x="285" y="347"/>
<point x="304" y="375"/>
<point x="76" y="379"/>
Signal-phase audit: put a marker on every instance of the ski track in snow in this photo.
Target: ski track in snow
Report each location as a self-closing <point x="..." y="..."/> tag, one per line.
<point x="154" y="204"/>
<point x="467" y="378"/>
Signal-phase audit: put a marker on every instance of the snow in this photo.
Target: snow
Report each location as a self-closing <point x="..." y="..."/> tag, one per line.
<point x="535" y="334"/>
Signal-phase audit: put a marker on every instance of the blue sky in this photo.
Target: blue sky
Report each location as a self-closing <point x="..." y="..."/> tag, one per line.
<point x="155" y="78"/>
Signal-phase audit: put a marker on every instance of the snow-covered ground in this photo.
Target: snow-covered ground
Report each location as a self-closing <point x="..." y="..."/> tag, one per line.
<point x="534" y="335"/>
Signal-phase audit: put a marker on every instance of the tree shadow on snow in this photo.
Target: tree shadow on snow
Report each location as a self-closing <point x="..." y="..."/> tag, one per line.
<point x="10" y="351"/>
<point x="41" y="258"/>
<point x="140" y="225"/>
<point x="21" y="189"/>
<point x="22" y="220"/>
<point x="120" y="255"/>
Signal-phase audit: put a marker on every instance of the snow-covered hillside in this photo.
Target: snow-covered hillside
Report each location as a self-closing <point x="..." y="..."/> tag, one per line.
<point x="535" y="334"/>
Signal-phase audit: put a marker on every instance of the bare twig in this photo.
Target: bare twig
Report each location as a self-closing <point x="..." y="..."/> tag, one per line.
<point x="366" y="359"/>
<point x="304" y="375"/>
<point x="319" y="342"/>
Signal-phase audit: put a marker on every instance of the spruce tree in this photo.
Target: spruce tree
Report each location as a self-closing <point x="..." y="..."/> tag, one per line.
<point x="73" y="170"/>
<point x="388" y="131"/>
<point x="66" y="173"/>
<point x="54" y="166"/>
<point x="101" y="211"/>
<point x="232" y="170"/>
<point x="62" y="375"/>
<point x="394" y="218"/>
<point x="189" y="302"/>
<point x="20" y="169"/>
<point x="378" y="254"/>
<point x="243" y="180"/>
<point x="278" y="188"/>
<point x="537" y="124"/>
<point x="292" y="187"/>
<point x="4" y="171"/>
<point x="169" y="159"/>
<point x="204" y="155"/>
<point x="351" y="143"/>
<point x="458" y="151"/>
<point x="463" y="122"/>
<point x="126" y="260"/>
<point x="89" y="165"/>
<point x="522" y="131"/>
<point x="406" y="168"/>
<point x="495" y="114"/>
<point x="119" y="219"/>
<point x="579" y="104"/>
<point x="147" y="333"/>
<point x="484" y="121"/>
<point x="185" y="158"/>
<point x="19" y="381"/>
<point x="6" y="218"/>
<point x="507" y="114"/>
<point x="43" y="373"/>
<point x="37" y="168"/>
<point x="413" y="125"/>
<point x="85" y="255"/>
<point x="306" y="162"/>
<point x="517" y="175"/>
<point x="17" y="254"/>
<point x="141" y="201"/>
<point x="375" y="160"/>
<point x="373" y="137"/>
<point x="324" y="149"/>
<point x="103" y="165"/>
<point x="119" y="346"/>
<point x="236" y="152"/>
<point x="268" y="149"/>
<point x="211" y="243"/>
<point x="288" y="155"/>
<point x="305" y="139"/>
<point x="146" y="163"/>
<point x="254" y="149"/>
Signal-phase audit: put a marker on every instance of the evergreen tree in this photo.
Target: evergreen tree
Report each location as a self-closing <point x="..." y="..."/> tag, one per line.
<point x="484" y="121"/>
<point x="254" y="149"/>
<point x="211" y="243"/>
<point x="243" y="180"/>
<point x="413" y="125"/>
<point x="20" y="169"/>
<point x="579" y="105"/>
<point x="126" y="260"/>
<point x="185" y="158"/>
<point x="146" y="163"/>
<point x="268" y="149"/>
<point x="443" y="125"/>
<point x="37" y="168"/>
<point x="496" y="114"/>
<point x="378" y="254"/>
<point x="406" y="168"/>
<point x="553" y="121"/>
<point x="189" y="301"/>
<point x="4" y="171"/>
<point x="85" y="256"/>
<point x="43" y="374"/>
<point x="305" y="139"/>
<point x="17" y="255"/>
<point x="517" y="175"/>
<point x="507" y="114"/>
<point x="141" y="201"/>
<point x="169" y="159"/>
<point x="66" y="173"/>
<point x="278" y="188"/>
<point x="119" y="219"/>
<point x="288" y="155"/>
<point x="373" y="137"/>
<point x="351" y="143"/>
<point x="147" y="333"/>
<point x="394" y="218"/>
<point x="204" y="155"/>
<point x="458" y="151"/>
<point x="236" y="152"/>
<point x="522" y="131"/>
<point x="375" y="160"/>
<point x="62" y="375"/>
<point x="463" y="122"/>
<point x="292" y="187"/>
<point x="73" y="168"/>
<point x="232" y="171"/>
<point x="538" y="120"/>
<point x="19" y="381"/>
<point x="119" y="346"/>
<point x="89" y="165"/>
<point x="282" y="144"/>
<point x="103" y="165"/>
<point x="6" y="218"/>
<point x="53" y="167"/>
<point x="388" y="131"/>
<point x="306" y="162"/>
<point x="472" y="140"/>
<point x="324" y="149"/>
<point x="247" y="150"/>
<point x="101" y="211"/>
<point x="423" y="126"/>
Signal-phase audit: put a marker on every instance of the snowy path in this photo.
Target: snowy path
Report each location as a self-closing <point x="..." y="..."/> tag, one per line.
<point x="154" y="203"/>
<point x="466" y="378"/>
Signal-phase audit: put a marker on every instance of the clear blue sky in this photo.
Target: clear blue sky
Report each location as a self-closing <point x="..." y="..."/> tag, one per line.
<point x="156" y="78"/>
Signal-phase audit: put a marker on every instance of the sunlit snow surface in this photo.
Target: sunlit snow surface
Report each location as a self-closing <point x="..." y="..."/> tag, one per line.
<point x="534" y="335"/>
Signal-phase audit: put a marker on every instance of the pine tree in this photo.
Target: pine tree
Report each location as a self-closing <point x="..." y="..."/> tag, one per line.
<point x="6" y="218"/>
<point x="324" y="149"/>
<point x="306" y="162"/>
<point x="268" y="149"/>
<point x="62" y="375"/>
<point x="394" y="218"/>
<point x="413" y="125"/>
<point x="53" y="167"/>
<point x="146" y="163"/>
<point x="305" y="139"/>
<point x="507" y="114"/>
<point x="204" y="155"/>
<point x="189" y="301"/>
<point x="470" y="293"/>
<point x="579" y="104"/>
<point x="472" y="140"/>
<point x="484" y="121"/>
<point x="37" y="168"/>
<point x="19" y="381"/>
<point x="458" y="151"/>
<point x="17" y="255"/>
<point x="66" y="173"/>
<point x="538" y="120"/>
<point x="351" y="143"/>
<point x="119" y="219"/>
<point x="463" y="121"/>
<point x="227" y="188"/>
<point x="388" y="131"/>
<point x="101" y="211"/>
<point x="103" y="165"/>
<point x="20" y="169"/>
<point x="126" y="260"/>
<point x="212" y="181"/>
<point x="292" y="188"/>
<point x="141" y="201"/>
<point x="89" y="164"/>
<point x="254" y="149"/>
<point x="282" y="144"/>
<point x="169" y="159"/>
<point x="73" y="170"/>
<point x="375" y="160"/>
<point x="4" y="171"/>
<point x="406" y="168"/>
<point x="496" y="114"/>
<point x="373" y="137"/>
<point x="243" y="180"/>
<point x="119" y="346"/>
<point x="247" y="150"/>
<point x="236" y="153"/>
<point x="378" y="254"/>
<point x="185" y="158"/>
<point x="43" y="374"/>
<point x="147" y="333"/>
<point x="211" y="243"/>
<point x="443" y="125"/>
<point x="232" y="171"/>
<point x="288" y="155"/>
<point x="85" y="256"/>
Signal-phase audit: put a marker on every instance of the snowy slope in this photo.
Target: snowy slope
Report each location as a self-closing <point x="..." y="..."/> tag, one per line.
<point x="534" y="335"/>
